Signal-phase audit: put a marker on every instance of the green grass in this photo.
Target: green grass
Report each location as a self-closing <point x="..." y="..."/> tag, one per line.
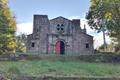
<point x="61" y="68"/>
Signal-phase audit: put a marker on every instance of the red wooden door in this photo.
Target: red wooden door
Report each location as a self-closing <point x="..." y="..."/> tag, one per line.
<point x="60" y="48"/>
<point x="57" y="47"/>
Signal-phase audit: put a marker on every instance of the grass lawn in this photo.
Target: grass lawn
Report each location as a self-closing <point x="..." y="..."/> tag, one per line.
<point x="61" y="68"/>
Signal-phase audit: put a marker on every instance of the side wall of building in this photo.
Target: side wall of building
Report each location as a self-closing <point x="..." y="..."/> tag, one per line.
<point x="83" y="44"/>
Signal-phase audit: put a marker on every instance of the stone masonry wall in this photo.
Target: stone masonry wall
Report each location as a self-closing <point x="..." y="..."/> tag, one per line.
<point x="46" y="33"/>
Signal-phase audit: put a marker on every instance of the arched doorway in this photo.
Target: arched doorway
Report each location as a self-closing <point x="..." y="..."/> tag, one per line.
<point x="60" y="47"/>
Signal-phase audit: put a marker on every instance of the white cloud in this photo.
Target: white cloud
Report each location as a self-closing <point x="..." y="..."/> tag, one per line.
<point x="98" y="39"/>
<point x="84" y="22"/>
<point x="74" y="17"/>
<point x="25" y="28"/>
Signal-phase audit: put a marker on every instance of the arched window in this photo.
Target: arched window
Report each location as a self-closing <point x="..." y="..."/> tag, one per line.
<point x="87" y="45"/>
<point x="33" y="44"/>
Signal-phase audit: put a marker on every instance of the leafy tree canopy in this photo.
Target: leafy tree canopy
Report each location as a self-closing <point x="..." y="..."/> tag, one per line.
<point x="105" y="14"/>
<point x="7" y="29"/>
<point x="21" y="43"/>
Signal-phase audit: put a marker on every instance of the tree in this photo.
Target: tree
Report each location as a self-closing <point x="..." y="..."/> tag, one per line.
<point x="7" y="29"/>
<point x="110" y="48"/>
<point x="105" y="12"/>
<point x="21" y="43"/>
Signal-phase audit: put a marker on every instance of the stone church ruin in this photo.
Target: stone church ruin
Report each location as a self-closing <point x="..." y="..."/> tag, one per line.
<point x="58" y="36"/>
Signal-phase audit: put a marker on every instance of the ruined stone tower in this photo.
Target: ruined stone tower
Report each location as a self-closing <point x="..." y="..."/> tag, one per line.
<point x="58" y="36"/>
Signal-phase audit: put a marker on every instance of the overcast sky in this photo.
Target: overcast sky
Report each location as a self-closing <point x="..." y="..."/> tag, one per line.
<point x="71" y="9"/>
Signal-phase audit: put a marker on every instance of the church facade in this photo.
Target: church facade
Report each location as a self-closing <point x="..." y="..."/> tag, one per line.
<point x="58" y="36"/>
